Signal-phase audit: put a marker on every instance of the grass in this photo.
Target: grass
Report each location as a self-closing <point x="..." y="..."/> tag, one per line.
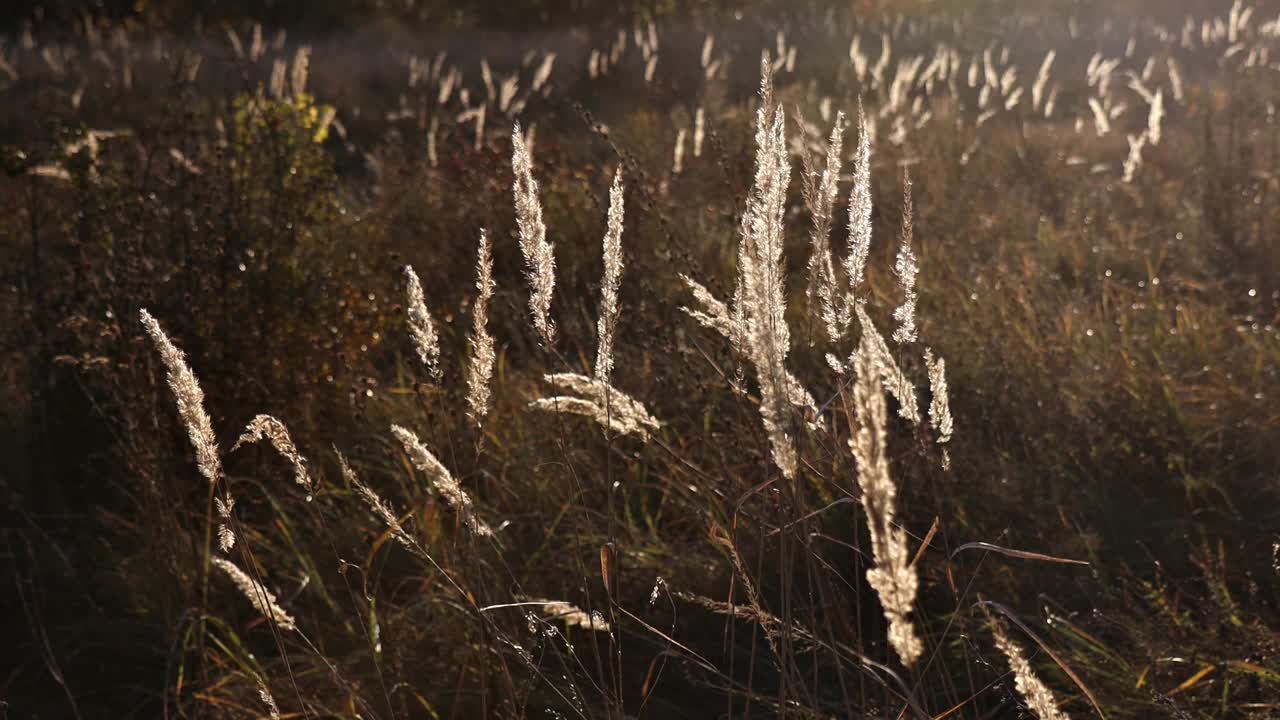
<point x="1104" y="535"/>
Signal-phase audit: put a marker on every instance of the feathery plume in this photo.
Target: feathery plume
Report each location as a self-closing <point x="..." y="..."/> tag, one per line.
<point x="1042" y="79"/>
<point x="481" y="356"/>
<point x="569" y="405"/>
<point x="1156" y="117"/>
<point x="273" y="710"/>
<point x="544" y="72"/>
<point x="756" y="323"/>
<point x="441" y="480"/>
<point x="607" y="323"/>
<point x="895" y="381"/>
<point x="677" y="157"/>
<point x="820" y="197"/>
<point x="446" y="86"/>
<point x="189" y="398"/>
<point x="1133" y="163"/>
<point x="1137" y="85"/>
<point x="759" y="308"/>
<point x="1101" y="123"/>
<point x="711" y="313"/>
<point x="1175" y="79"/>
<point x="236" y="45"/>
<point x="279" y="71"/>
<point x="1051" y="102"/>
<point x="714" y="314"/>
<point x="257" y="594"/>
<point x="858" y="58"/>
<point x="256" y="45"/>
<point x="507" y="92"/>
<point x="859" y="209"/>
<point x="486" y="76"/>
<point x="984" y="97"/>
<point x="300" y="69"/>
<point x="1007" y="79"/>
<point x="906" y="269"/>
<point x="379" y="507"/>
<point x="190" y="401"/>
<point x="530" y="137"/>
<point x="1012" y="101"/>
<point x="571" y="615"/>
<point x="1038" y="696"/>
<point x="226" y="536"/>
<point x="940" y="404"/>
<point x="421" y="328"/>
<point x="699" y="130"/>
<point x="539" y="255"/>
<point x="479" y="133"/>
<point x="892" y="577"/>
<point x="607" y="405"/>
<point x="990" y="75"/>
<point x="266" y="426"/>
<point x="601" y="394"/>
<point x="433" y="157"/>
<point x="882" y="64"/>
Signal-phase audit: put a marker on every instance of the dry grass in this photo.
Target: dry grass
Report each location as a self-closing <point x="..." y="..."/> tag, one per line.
<point x="697" y="488"/>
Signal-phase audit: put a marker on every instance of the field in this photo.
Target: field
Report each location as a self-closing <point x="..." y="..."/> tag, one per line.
<point x="892" y="360"/>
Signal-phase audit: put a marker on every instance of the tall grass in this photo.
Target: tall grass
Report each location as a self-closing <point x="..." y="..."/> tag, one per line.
<point x="705" y="490"/>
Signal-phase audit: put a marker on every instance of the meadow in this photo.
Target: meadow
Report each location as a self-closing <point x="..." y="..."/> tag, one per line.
<point x="883" y="360"/>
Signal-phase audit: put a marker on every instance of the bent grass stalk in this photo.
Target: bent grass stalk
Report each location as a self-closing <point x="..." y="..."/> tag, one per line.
<point x="190" y="402"/>
<point x="892" y="575"/>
